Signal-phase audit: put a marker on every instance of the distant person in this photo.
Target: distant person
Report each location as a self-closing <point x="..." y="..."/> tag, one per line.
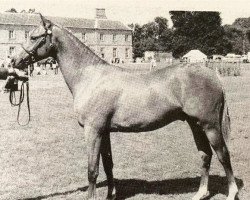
<point x="31" y="69"/>
<point x="55" y="67"/>
<point x="44" y="69"/>
<point x="152" y="64"/>
<point x="38" y="69"/>
<point x="8" y="61"/>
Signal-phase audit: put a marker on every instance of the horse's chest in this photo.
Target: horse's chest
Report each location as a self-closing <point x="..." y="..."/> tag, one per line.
<point x="94" y="107"/>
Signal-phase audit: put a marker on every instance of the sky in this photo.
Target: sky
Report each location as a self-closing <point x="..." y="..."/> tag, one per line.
<point x="131" y="11"/>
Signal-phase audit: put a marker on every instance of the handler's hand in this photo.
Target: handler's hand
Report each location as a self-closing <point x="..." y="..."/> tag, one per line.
<point x="18" y="74"/>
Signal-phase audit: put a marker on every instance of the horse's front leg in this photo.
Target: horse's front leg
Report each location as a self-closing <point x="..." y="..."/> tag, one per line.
<point x="93" y="139"/>
<point x="107" y="161"/>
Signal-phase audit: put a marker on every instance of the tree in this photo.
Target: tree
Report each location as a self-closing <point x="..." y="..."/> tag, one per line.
<point x="12" y="10"/>
<point x="236" y="38"/>
<point x="198" y="30"/>
<point x="31" y="10"/>
<point x="243" y="25"/>
<point x="153" y="36"/>
<point x="137" y="41"/>
<point x="164" y="34"/>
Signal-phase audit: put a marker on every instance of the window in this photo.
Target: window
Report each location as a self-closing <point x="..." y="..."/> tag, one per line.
<point x="101" y="37"/>
<point x="126" y="38"/>
<point x="126" y="52"/>
<point x="84" y="37"/>
<point x="114" y="52"/>
<point x="11" y="50"/>
<point x="26" y="35"/>
<point x="11" y="34"/>
<point x="114" y="38"/>
<point x="102" y="52"/>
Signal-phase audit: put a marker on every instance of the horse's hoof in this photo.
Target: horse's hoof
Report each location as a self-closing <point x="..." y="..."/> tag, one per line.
<point x="233" y="193"/>
<point x="233" y="197"/>
<point x="200" y="196"/>
<point x="113" y="197"/>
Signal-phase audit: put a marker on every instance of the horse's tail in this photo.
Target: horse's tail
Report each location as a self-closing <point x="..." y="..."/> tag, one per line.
<point x="225" y="119"/>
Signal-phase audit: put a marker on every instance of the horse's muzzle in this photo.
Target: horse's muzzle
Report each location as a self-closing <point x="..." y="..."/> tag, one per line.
<point x="21" y="61"/>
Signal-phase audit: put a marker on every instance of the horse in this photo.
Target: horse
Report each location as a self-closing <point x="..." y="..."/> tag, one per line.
<point x="109" y="98"/>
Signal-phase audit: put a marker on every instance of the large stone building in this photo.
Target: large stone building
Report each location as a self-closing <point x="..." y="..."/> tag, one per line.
<point x="112" y="40"/>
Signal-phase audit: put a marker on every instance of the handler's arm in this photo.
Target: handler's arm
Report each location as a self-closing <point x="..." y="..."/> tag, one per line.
<point x="18" y="74"/>
<point x="4" y="72"/>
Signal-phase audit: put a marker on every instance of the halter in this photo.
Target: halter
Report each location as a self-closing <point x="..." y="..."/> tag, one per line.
<point x="32" y="54"/>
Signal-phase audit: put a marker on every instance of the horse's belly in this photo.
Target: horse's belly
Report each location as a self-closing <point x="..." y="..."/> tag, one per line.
<point x="143" y="119"/>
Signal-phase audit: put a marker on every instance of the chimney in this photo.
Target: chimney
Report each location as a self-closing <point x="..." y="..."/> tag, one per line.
<point x="100" y="13"/>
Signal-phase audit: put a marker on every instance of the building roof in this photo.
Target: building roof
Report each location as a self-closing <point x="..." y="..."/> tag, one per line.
<point x="34" y="20"/>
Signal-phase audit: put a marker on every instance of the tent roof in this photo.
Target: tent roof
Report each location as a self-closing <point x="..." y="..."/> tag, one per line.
<point x="194" y="53"/>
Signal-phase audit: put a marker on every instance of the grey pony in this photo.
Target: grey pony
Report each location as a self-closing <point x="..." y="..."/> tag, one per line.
<point x="108" y="99"/>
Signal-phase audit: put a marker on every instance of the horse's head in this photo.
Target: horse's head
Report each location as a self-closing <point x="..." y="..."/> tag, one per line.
<point x="37" y="47"/>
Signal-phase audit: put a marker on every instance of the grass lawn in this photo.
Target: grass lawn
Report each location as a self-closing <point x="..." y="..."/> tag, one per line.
<point x="47" y="159"/>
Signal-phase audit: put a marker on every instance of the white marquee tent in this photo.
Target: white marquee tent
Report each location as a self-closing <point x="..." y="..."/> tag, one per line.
<point x="195" y="56"/>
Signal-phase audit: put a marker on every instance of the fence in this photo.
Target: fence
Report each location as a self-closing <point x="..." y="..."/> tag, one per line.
<point x="224" y="68"/>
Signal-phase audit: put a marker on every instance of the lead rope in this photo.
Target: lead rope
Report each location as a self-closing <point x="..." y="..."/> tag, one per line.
<point x="13" y="102"/>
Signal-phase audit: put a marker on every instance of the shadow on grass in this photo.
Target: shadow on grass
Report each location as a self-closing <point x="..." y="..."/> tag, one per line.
<point x="127" y="188"/>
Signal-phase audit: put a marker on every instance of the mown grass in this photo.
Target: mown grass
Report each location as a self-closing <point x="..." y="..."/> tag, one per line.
<point x="47" y="159"/>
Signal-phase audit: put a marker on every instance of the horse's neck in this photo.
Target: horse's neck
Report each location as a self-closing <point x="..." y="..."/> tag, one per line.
<point x="73" y="57"/>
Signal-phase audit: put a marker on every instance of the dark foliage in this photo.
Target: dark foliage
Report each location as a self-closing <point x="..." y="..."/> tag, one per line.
<point x="198" y="30"/>
<point x="153" y="36"/>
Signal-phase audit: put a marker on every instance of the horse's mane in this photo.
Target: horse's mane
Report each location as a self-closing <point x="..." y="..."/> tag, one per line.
<point x="114" y="67"/>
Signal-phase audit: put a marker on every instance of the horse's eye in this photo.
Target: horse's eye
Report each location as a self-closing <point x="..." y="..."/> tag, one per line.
<point x="32" y="38"/>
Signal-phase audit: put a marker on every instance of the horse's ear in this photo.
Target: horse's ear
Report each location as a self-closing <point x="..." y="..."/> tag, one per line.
<point x="45" y="22"/>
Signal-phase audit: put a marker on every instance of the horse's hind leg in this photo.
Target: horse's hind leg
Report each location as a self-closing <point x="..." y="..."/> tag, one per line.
<point x="204" y="149"/>
<point x="108" y="164"/>
<point x="217" y="141"/>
